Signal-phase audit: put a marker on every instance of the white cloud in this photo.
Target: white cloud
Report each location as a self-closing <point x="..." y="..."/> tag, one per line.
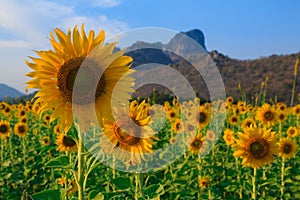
<point x="106" y="3"/>
<point x="97" y="23"/>
<point x="14" y="44"/>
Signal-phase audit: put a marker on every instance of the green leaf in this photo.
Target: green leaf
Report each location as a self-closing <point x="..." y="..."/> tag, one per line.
<point x="95" y="195"/>
<point x="47" y="148"/>
<point x="122" y="183"/>
<point x="154" y="190"/>
<point x="46" y="195"/>
<point x="59" y="162"/>
<point x="111" y="195"/>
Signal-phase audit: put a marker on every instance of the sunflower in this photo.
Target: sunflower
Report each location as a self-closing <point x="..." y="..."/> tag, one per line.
<point x="204" y="182"/>
<point x="266" y="115"/>
<point x="292" y="131"/>
<point x="5" y="129"/>
<point x="28" y="106"/>
<point x="128" y="137"/>
<point x="282" y="117"/>
<point x="202" y="117"/>
<point x="62" y="181"/>
<point x="73" y="187"/>
<point x="35" y="108"/>
<point x="177" y="126"/>
<point x="7" y="110"/>
<point x="242" y="110"/>
<point x="173" y="140"/>
<point x="281" y="106"/>
<point x="210" y="135"/>
<point x="57" y="129"/>
<point x="21" y="113"/>
<point x="190" y="127"/>
<point x="229" y="100"/>
<point x="240" y="104"/>
<point x="46" y="118"/>
<point x="55" y="72"/>
<point x="65" y="143"/>
<point x="296" y="110"/>
<point x="46" y="141"/>
<point x="228" y="136"/>
<point x="197" y="144"/>
<point x="21" y="129"/>
<point x="256" y="147"/>
<point x="287" y="148"/>
<point x="23" y="120"/>
<point x="167" y="106"/>
<point x="247" y="123"/>
<point x="234" y="120"/>
<point x="172" y="114"/>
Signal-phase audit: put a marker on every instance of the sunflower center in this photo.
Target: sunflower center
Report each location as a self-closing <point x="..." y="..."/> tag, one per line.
<point x="287" y="148"/>
<point x="197" y="144"/>
<point x="178" y="125"/>
<point x="69" y="142"/>
<point x="269" y="116"/>
<point x="228" y="137"/>
<point x="234" y="119"/>
<point x="248" y="124"/>
<point x="85" y="83"/>
<point x="258" y="148"/>
<point x="292" y="132"/>
<point x="281" y="116"/>
<point x="3" y="129"/>
<point x="22" y="113"/>
<point x="172" y="114"/>
<point x="202" y="117"/>
<point x="127" y="133"/>
<point x="21" y="129"/>
<point x="190" y="127"/>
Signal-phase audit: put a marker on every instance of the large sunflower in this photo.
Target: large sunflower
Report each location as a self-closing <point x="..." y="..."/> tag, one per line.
<point x="129" y="137"/>
<point x="100" y="71"/>
<point x="4" y="129"/>
<point x="256" y="147"/>
<point x="287" y="148"/>
<point x="266" y="114"/>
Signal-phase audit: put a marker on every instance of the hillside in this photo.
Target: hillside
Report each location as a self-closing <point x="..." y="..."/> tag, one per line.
<point x="249" y="73"/>
<point x="7" y="91"/>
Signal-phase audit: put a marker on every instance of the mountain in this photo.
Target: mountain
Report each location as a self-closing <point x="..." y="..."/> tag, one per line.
<point x="183" y="43"/>
<point x="250" y="74"/>
<point x="7" y="91"/>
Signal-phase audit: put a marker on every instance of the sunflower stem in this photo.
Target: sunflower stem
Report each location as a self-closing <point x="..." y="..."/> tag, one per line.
<point x="199" y="165"/>
<point x="2" y="151"/>
<point x="264" y="178"/>
<point x="238" y="179"/>
<point x="282" y="179"/>
<point x="254" y="184"/>
<point x="139" y="179"/>
<point x="80" y="166"/>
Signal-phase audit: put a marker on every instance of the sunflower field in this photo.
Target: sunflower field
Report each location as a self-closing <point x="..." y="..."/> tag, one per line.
<point x="69" y="144"/>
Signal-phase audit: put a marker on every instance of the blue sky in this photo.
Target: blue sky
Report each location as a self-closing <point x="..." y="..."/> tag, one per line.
<point x="239" y="29"/>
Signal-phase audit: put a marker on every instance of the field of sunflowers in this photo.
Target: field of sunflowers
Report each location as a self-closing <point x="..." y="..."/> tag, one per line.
<point x="221" y="149"/>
